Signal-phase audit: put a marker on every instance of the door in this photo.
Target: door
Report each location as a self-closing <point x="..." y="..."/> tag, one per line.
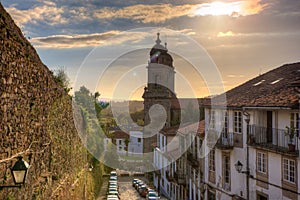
<point x="269" y="126"/>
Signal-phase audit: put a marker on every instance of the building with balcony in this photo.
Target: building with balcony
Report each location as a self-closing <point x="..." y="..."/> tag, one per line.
<point x="258" y="126"/>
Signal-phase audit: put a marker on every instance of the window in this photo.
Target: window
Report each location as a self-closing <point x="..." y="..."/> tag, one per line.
<point x="212" y="161"/>
<point x="139" y="140"/>
<point x="225" y="128"/>
<point x="289" y="170"/>
<point x="226" y="171"/>
<point x="120" y="142"/>
<point x="238" y="122"/>
<point x="261" y="162"/>
<point x="294" y="121"/>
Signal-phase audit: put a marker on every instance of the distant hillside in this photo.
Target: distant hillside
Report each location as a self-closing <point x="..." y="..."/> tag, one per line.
<point x="134" y="106"/>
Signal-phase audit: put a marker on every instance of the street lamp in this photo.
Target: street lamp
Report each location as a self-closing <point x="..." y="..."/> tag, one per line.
<point x="19" y="172"/>
<point x="238" y="166"/>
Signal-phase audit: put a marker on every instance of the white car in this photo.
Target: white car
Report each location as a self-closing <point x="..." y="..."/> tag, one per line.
<point x="113" y="178"/>
<point x="113" y="182"/>
<point x="113" y="193"/>
<point x="113" y="173"/>
<point x="112" y="197"/>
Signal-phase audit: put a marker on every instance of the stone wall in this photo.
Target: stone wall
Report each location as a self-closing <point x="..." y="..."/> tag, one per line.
<point x="36" y="121"/>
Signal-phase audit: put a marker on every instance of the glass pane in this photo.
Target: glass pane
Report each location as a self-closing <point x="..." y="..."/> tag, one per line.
<point x="19" y="176"/>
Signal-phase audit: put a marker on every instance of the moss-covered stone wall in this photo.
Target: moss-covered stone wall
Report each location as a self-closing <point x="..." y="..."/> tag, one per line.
<point x="36" y="121"/>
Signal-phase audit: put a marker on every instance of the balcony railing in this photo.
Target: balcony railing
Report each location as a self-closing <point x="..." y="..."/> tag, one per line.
<point x="192" y="158"/>
<point x="225" y="141"/>
<point x="179" y="177"/>
<point x="273" y="139"/>
<point x="169" y="177"/>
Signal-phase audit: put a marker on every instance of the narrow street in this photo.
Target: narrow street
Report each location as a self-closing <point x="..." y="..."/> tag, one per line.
<point x="126" y="191"/>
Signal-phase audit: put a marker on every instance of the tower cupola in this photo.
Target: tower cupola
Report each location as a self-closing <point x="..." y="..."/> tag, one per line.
<point x="159" y="54"/>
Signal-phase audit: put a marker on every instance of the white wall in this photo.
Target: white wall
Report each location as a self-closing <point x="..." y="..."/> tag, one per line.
<point x="135" y="147"/>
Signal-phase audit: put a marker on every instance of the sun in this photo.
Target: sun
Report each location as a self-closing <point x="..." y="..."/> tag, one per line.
<point x="219" y="8"/>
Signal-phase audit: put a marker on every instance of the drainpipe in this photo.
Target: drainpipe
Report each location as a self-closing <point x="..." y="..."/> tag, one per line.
<point x="247" y="120"/>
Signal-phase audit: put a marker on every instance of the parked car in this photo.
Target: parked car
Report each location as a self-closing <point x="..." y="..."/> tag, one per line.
<point x="113" y="192"/>
<point x="134" y="181"/>
<point x="138" y="184"/>
<point x="112" y="197"/>
<point x="141" y="188"/>
<point x="113" y="173"/>
<point x="113" y="187"/>
<point x="152" y="195"/>
<point x="113" y="184"/>
<point x="113" y="178"/>
<point x="112" y="181"/>
<point x="144" y="192"/>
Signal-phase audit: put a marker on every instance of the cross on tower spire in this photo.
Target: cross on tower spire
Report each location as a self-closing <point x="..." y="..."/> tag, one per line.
<point x="158" y="41"/>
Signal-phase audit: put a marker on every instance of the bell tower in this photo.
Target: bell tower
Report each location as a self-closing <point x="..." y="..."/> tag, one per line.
<point x="160" y="87"/>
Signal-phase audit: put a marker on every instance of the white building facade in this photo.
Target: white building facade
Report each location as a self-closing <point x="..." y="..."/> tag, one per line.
<point x="256" y="152"/>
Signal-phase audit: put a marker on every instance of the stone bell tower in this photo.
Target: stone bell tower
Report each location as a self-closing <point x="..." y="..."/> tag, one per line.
<point x="160" y="88"/>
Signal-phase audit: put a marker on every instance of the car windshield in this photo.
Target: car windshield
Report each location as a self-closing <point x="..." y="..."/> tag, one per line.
<point x="113" y="192"/>
<point x="152" y="194"/>
<point x="113" y="173"/>
<point x="112" y="196"/>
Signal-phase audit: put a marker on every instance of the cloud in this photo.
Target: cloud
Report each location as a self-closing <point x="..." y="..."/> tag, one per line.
<point x="134" y="37"/>
<point x="233" y="9"/>
<point x="226" y="34"/>
<point x="67" y="41"/>
<point x="161" y="12"/>
<point x="47" y="12"/>
<point x="252" y="7"/>
<point x="88" y="40"/>
<point x="145" y="13"/>
<point x="235" y="76"/>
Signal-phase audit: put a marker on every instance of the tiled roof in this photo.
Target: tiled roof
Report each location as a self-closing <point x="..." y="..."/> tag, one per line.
<point x="184" y="102"/>
<point x="186" y="129"/>
<point x="119" y="135"/>
<point x="199" y="127"/>
<point x="272" y="89"/>
<point x="172" y="131"/>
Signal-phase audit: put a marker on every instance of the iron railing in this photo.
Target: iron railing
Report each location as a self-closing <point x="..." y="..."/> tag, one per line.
<point x="276" y="139"/>
<point x="225" y="141"/>
<point x="179" y="177"/>
<point x="192" y="158"/>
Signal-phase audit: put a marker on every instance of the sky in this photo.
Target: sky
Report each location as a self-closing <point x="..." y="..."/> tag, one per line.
<point x="105" y="44"/>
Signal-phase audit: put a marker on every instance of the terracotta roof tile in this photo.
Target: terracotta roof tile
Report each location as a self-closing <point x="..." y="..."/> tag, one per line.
<point x="200" y="127"/>
<point x="119" y="135"/>
<point x="272" y="89"/>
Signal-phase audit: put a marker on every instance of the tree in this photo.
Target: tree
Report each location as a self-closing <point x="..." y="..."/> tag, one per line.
<point x="62" y="79"/>
<point x="127" y="140"/>
<point x="91" y="108"/>
<point x="111" y="157"/>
